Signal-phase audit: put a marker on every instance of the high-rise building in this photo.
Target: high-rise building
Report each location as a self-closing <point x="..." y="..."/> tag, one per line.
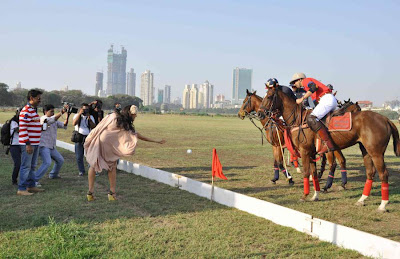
<point x="206" y="93"/>
<point x="242" y="78"/>
<point x="186" y="97"/>
<point x="131" y="82"/>
<point x="146" y="88"/>
<point x="194" y="97"/>
<point x="99" y="83"/>
<point x="160" y="96"/>
<point x="167" y="94"/>
<point x="116" y="72"/>
<point x="220" y="98"/>
<point x="18" y="85"/>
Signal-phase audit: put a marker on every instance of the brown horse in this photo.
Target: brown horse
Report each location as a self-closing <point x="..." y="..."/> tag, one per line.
<point x="251" y="104"/>
<point x="371" y="130"/>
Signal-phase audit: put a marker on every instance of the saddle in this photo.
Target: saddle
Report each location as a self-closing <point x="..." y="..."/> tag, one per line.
<point x="338" y="121"/>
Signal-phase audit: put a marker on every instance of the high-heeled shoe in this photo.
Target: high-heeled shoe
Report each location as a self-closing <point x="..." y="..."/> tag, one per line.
<point x="90" y="196"/>
<point x="112" y="196"/>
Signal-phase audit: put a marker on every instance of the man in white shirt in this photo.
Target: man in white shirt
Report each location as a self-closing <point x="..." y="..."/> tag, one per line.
<point x="47" y="146"/>
<point x="83" y="122"/>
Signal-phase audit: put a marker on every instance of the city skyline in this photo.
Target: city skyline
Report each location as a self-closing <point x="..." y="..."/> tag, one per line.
<point x="116" y="71"/>
<point x="351" y="54"/>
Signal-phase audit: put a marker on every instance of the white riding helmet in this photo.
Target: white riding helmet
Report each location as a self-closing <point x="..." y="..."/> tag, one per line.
<point x="297" y="76"/>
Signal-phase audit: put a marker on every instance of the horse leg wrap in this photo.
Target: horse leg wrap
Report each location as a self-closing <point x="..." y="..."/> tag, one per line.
<point x="385" y="191"/>
<point x="367" y="187"/>
<point x="276" y="173"/>
<point x="316" y="184"/>
<point x="344" y="177"/>
<point x="286" y="174"/>
<point x="296" y="163"/>
<point x="306" y="186"/>
<point x="329" y="181"/>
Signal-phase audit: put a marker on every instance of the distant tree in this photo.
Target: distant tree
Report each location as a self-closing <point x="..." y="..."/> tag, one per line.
<point x="51" y="98"/>
<point x="5" y="97"/>
<point x="19" y="97"/>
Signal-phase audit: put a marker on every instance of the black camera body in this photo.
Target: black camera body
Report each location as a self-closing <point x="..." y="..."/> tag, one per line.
<point x="71" y="108"/>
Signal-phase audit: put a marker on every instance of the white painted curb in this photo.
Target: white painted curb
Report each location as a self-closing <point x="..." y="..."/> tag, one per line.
<point x="365" y="243"/>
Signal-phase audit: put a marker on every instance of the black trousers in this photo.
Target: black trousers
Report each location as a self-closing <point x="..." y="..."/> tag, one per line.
<point x="15" y="151"/>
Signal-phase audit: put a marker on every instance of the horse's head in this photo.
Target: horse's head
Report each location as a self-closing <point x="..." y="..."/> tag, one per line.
<point x="271" y="103"/>
<point x="248" y="105"/>
<point x="349" y="106"/>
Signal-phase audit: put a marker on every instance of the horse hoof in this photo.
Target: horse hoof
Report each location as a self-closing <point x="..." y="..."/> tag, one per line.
<point x="382" y="210"/>
<point x="325" y="190"/>
<point x="291" y="182"/>
<point x="273" y="181"/>
<point x="343" y="186"/>
<point x="360" y="203"/>
<point x="314" y="199"/>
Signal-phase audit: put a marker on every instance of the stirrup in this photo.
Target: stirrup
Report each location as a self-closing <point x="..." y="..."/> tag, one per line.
<point x="90" y="196"/>
<point x="111" y="196"/>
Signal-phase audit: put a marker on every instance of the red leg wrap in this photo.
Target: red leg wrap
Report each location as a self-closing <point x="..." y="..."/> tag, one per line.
<point x="367" y="187"/>
<point x="385" y="191"/>
<point x="316" y="184"/>
<point x="296" y="163"/>
<point x="306" y="186"/>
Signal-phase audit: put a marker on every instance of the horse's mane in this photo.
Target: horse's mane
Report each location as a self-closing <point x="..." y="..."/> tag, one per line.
<point x="287" y="91"/>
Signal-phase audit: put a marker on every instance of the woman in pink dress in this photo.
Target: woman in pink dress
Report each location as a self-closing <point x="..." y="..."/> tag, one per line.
<point x="114" y="137"/>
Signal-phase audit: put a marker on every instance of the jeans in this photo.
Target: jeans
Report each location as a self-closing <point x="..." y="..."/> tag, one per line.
<point x="46" y="154"/>
<point x="27" y="170"/>
<point x="79" y="154"/>
<point x="15" y="151"/>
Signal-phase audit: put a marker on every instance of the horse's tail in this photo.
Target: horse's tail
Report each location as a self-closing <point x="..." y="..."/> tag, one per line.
<point x="396" y="142"/>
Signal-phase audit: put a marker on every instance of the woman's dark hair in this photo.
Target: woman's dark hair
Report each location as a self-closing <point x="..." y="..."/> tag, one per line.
<point x="33" y="93"/>
<point x="84" y="104"/>
<point x="47" y="107"/>
<point x="124" y="119"/>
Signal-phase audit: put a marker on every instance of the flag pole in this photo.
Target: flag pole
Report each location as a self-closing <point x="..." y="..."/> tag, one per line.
<point x="212" y="188"/>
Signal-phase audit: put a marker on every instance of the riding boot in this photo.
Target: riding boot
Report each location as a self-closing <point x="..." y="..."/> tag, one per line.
<point x="328" y="142"/>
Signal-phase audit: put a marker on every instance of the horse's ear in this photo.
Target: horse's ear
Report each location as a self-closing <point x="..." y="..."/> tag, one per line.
<point x="356" y="103"/>
<point x="255" y="92"/>
<point x="247" y="91"/>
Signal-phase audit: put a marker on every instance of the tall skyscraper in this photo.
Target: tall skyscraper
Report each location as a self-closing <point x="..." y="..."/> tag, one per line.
<point x="206" y="95"/>
<point x="194" y="97"/>
<point x="167" y="94"/>
<point x="131" y="82"/>
<point x="18" y="85"/>
<point x="160" y="96"/>
<point x="146" y="88"/>
<point x="99" y="83"/>
<point x="186" y="97"/>
<point x="116" y="72"/>
<point x="242" y="78"/>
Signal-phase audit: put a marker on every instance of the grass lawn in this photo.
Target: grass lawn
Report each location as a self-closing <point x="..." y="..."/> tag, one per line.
<point x="152" y="219"/>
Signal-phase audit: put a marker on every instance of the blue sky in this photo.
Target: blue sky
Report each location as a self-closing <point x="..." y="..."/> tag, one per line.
<point x="353" y="45"/>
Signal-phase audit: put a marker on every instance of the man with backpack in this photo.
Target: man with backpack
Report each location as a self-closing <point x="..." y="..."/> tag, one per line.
<point x="10" y="137"/>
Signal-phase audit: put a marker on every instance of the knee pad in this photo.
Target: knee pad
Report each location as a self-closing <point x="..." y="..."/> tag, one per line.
<point x="313" y="123"/>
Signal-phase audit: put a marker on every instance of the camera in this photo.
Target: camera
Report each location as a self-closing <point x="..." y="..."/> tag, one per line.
<point x="71" y="108"/>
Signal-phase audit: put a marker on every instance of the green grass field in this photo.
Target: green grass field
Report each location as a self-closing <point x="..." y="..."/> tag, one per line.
<point x="152" y="219"/>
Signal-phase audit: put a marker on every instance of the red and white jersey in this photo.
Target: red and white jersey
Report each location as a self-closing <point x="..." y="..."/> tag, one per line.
<point x="30" y="128"/>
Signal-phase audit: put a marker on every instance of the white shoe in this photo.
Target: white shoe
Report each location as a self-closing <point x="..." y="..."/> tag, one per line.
<point x="37" y="184"/>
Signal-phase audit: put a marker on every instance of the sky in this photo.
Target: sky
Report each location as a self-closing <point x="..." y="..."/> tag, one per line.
<point x="353" y="45"/>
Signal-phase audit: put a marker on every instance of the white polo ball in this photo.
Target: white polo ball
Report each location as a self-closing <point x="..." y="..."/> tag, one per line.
<point x="189" y="151"/>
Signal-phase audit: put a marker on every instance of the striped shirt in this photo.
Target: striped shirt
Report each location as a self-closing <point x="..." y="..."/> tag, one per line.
<point x="30" y="128"/>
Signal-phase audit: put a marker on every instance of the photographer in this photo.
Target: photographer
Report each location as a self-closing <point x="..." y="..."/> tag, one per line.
<point x="96" y="111"/>
<point x="47" y="146"/>
<point x="83" y="122"/>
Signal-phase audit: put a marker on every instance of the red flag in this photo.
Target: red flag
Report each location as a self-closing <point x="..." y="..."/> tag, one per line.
<point x="216" y="166"/>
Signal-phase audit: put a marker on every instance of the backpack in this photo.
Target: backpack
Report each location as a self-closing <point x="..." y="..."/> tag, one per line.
<point x="6" y="136"/>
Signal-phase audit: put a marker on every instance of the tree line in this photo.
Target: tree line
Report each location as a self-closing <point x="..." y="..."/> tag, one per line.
<point x="17" y="98"/>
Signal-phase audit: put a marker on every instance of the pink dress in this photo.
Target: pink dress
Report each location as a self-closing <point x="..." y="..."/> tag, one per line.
<point x="107" y="143"/>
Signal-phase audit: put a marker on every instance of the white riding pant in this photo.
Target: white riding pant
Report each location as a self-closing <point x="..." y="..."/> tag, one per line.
<point x="326" y="104"/>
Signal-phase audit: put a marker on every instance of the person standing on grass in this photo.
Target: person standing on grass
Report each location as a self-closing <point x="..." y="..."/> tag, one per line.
<point x="15" y="149"/>
<point x="84" y="123"/>
<point x="29" y="139"/>
<point x="47" y="146"/>
<point x="113" y="138"/>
